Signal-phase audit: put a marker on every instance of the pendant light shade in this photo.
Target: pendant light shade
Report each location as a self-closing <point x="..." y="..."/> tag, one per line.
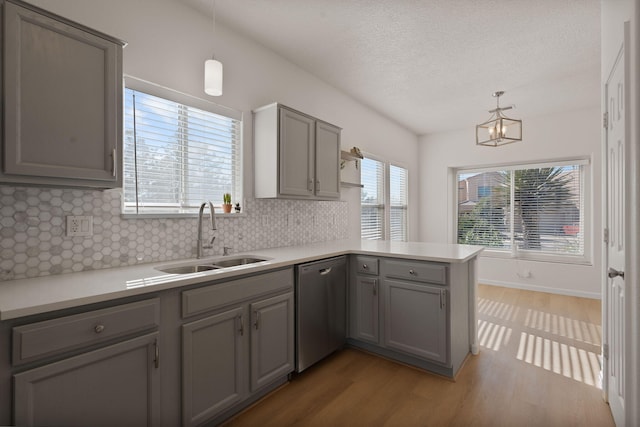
<point x="499" y="129"/>
<point x="213" y="77"/>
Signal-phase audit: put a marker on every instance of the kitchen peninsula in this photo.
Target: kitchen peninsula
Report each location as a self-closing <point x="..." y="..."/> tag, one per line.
<point x="160" y="329"/>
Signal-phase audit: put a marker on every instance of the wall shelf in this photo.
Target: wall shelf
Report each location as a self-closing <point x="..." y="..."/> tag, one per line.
<point x="350" y="168"/>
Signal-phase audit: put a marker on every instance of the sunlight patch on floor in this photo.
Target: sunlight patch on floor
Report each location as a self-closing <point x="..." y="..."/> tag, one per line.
<point x="563" y="359"/>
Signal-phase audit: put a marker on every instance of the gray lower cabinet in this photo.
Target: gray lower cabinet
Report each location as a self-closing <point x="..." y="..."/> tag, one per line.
<point x="364" y="309"/>
<point x="272" y="346"/>
<point x="63" y="101"/>
<point x="241" y="350"/>
<point x="94" y="368"/>
<point x="415" y="319"/>
<point x="117" y="385"/>
<point x="413" y="311"/>
<point x="213" y="354"/>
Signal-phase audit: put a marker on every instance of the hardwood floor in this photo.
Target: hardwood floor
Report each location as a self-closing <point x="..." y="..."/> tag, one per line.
<point x="538" y="366"/>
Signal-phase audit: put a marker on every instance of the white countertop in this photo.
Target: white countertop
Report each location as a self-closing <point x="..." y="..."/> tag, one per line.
<point x="26" y="297"/>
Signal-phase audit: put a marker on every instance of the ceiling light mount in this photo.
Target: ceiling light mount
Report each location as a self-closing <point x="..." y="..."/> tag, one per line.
<point x="213" y="67"/>
<point x="499" y="129"/>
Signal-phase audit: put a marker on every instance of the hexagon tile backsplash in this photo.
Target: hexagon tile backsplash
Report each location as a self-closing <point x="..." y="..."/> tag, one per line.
<point x="33" y="239"/>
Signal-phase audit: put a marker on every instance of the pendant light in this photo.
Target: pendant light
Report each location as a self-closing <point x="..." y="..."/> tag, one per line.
<point x="499" y="129"/>
<point x="213" y="67"/>
<point x="213" y="77"/>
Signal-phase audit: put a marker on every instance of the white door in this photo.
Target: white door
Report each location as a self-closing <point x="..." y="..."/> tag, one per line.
<point x="614" y="293"/>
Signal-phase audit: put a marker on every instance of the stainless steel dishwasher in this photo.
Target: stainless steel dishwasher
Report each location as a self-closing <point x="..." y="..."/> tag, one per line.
<point x="321" y="292"/>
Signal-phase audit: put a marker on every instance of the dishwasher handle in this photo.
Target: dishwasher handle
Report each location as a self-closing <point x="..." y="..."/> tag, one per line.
<point x="325" y="271"/>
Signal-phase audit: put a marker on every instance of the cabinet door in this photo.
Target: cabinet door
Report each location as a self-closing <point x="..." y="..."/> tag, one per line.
<point x="415" y="319"/>
<point x="365" y="307"/>
<point x="297" y="139"/>
<point x="63" y="90"/>
<point x="272" y="351"/>
<point x="327" y="161"/>
<point x="114" y="386"/>
<point x="212" y="361"/>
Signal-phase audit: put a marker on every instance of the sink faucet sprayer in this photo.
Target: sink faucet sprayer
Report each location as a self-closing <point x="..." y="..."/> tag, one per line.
<point x="200" y="246"/>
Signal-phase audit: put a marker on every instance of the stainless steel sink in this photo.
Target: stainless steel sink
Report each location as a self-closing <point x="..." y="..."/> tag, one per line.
<point x="211" y="264"/>
<point x="222" y="263"/>
<point x="186" y="269"/>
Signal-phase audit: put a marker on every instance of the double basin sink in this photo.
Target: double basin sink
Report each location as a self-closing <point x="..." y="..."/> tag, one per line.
<point x="204" y="265"/>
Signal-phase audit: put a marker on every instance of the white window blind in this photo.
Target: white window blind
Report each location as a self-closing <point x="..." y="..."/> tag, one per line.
<point x="177" y="156"/>
<point x="372" y="199"/>
<point x="524" y="210"/>
<point x="398" y="203"/>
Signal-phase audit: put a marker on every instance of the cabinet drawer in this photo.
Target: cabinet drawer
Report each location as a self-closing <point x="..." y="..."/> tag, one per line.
<point x="416" y="270"/>
<point x="367" y="265"/>
<point x="55" y="336"/>
<point x="210" y="297"/>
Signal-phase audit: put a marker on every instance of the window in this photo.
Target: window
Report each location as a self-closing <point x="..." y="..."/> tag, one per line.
<point x="525" y="211"/>
<point x="179" y="151"/>
<point x="398" y="203"/>
<point x="383" y="201"/>
<point x="372" y="200"/>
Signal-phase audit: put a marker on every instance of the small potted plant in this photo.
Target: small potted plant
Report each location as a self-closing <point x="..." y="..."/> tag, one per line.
<point x="226" y="203"/>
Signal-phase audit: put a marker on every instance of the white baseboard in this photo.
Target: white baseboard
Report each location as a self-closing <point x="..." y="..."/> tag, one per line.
<point x="559" y="291"/>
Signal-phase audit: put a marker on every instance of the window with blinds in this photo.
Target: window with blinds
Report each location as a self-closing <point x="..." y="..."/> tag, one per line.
<point x="177" y="154"/>
<point x="372" y="199"/>
<point x="398" y="203"/>
<point x="524" y="210"/>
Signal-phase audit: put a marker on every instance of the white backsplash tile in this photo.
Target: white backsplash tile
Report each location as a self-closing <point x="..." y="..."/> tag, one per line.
<point x="33" y="239"/>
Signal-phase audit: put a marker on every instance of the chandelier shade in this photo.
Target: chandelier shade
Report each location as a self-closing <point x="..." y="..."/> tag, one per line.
<point x="499" y="129"/>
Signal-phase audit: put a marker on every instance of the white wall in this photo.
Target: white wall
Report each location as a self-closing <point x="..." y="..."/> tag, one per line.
<point x="168" y="43"/>
<point x="566" y="135"/>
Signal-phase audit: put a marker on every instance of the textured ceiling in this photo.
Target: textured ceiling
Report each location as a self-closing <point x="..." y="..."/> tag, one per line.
<point x="432" y="65"/>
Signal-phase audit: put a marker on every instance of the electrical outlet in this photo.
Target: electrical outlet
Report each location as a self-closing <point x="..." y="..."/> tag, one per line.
<point x="79" y="225"/>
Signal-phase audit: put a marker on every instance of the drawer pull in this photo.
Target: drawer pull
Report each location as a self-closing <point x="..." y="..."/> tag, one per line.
<point x="98" y="329"/>
<point x="411" y="272"/>
<point x="365" y="266"/>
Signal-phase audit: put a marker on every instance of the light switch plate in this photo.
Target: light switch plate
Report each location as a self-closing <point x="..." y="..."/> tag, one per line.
<point x="79" y="225"/>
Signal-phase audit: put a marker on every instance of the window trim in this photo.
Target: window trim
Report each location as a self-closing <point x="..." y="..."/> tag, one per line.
<point x="587" y="181"/>
<point x="137" y="84"/>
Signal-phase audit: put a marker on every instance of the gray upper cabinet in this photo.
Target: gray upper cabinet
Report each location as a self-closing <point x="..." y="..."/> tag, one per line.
<point x="63" y="101"/>
<point x="296" y="155"/>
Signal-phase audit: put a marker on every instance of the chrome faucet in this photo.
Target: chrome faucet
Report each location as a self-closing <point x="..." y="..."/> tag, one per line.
<point x="200" y="246"/>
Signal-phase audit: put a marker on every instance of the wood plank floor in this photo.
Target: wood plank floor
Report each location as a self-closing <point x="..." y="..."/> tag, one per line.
<point x="538" y="366"/>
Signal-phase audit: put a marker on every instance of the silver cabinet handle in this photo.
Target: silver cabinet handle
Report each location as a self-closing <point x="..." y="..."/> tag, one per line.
<point x="98" y="329"/>
<point x="411" y="272"/>
<point x="375" y="288"/>
<point x="156" y="359"/>
<point x="365" y="266"/>
<point x="115" y="162"/>
<point x="612" y="273"/>
<point x="241" y="326"/>
<point x="442" y="298"/>
<point x="310" y="185"/>
<point x="257" y="322"/>
<point x="325" y="271"/>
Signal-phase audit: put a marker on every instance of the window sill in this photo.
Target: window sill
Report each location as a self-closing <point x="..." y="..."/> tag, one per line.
<point x="178" y="215"/>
